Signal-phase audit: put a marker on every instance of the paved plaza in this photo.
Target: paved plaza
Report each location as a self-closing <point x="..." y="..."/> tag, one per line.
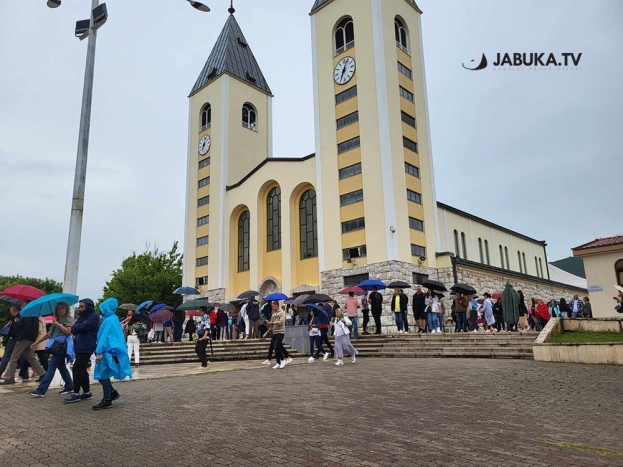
<point x="378" y="412"/>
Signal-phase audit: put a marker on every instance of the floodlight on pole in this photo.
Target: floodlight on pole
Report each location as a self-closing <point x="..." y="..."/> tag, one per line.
<point x="199" y="6"/>
<point x="54" y="3"/>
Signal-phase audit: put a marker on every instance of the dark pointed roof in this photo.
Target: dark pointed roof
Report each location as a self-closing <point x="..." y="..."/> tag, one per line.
<point x="232" y="54"/>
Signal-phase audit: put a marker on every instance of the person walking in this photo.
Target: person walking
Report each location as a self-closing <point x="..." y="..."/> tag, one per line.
<point x="203" y="339"/>
<point x="191" y="328"/>
<point x="315" y="339"/>
<point x="352" y="311"/>
<point x="244" y="319"/>
<point x="565" y="311"/>
<point x="461" y="304"/>
<point x="375" y="299"/>
<point x="510" y="307"/>
<point x="419" y="309"/>
<point x="342" y="338"/>
<point x="65" y="354"/>
<point x="428" y="310"/>
<point x="134" y="327"/>
<point x="111" y="356"/>
<point x="398" y="305"/>
<point x="39" y="351"/>
<point x="85" y="331"/>
<point x="365" y="311"/>
<point x="577" y="307"/>
<point x="278" y="323"/>
<point x="326" y="319"/>
<point x="523" y="313"/>
<point x="15" y="328"/>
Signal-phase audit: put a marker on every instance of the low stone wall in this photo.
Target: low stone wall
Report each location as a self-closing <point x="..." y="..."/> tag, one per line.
<point x="602" y="353"/>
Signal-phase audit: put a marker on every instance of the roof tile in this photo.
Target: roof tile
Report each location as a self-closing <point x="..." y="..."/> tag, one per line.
<point x="607" y="241"/>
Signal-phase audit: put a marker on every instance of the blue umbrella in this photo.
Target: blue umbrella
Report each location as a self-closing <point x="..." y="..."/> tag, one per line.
<point x="368" y="284"/>
<point x="44" y="306"/>
<point x="157" y="307"/>
<point x="323" y="316"/>
<point x="275" y="296"/>
<point x="186" y="291"/>
<point x="143" y="305"/>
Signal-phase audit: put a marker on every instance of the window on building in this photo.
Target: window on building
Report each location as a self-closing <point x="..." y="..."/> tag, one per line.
<point x="350" y="171"/>
<point x="405" y="71"/>
<point x="410" y="145"/>
<point x="204" y="182"/>
<point x="457" y="249"/>
<point x="541" y="269"/>
<point x="206" y="117"/>
<point x="417" y="250"/>
<point x="345" y="95"/>
<point x="519" y="261"/>
<point x="203" y="240"/>
<point x="356" y="279"/>
<point x="418" y="278"/>
<point x="204" y="162"/>
<point x="618" y="269"/>
<point x="308" y="220"/>
<point x="525" y="265"/>
<point x="536" y="266"/>
<point x="501" y="257"/>
<point x="508" y="263"/>
<point x="273" y="219"/>
<point x="482" y="258"/>
<point x="244" y="237"/>
<point x="412" y="170"/>
<point x="408" y="119"/>
<point x="348" y="145"/>
<point x="414" y="197"/>
<point x="202" y="261"/>
<point x="203" y="221"/>
<point x="487" y="252"/>
<point x="416" y="224"/>
<point x="464" y="243"/>
<point x="401" y="35"/>
<point x="352" y="197"/>
<point x="203" y="201"/>
<point x="249" y="117"/>
<point x="344" y="35"/>
<point x="354" y="224"/>
<point x="354" y="252"/>
<point x="347" y="120"/>
<point x="199" y="281"/>
<point x="406" y="94"/>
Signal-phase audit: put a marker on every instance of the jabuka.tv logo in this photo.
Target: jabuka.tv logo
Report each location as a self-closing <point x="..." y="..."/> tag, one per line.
<point x="533" y="60"/>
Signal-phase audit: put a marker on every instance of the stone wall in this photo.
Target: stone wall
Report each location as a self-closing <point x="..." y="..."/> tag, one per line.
<point x="215" y="295"/>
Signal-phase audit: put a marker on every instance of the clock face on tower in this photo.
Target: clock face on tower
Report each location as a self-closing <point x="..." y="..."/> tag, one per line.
<point x="344" y="70"/>
<point x="204" y="145"/>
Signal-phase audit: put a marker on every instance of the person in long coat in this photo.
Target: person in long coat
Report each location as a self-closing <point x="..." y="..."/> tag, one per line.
<point x="510" y="306"/>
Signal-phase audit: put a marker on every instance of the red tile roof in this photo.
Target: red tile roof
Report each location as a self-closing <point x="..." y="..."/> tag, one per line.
<point x="608" y="241"/>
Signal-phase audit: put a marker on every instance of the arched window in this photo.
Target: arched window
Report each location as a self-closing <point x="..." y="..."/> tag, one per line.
<point x="508" y="263"/>
<point x="457" y="251"/>
<point x="401" y="35"/>
<point x="487" y="252"/>
<point x="501" y="257"/>
<point x="536" y="266"/>
<point x="249" y="117"/>
<point x="525" y="265"/>
<point x="618" y="268"/>
<point x="273" y="220"/>
<point x="541" y="269"/>
<point x="519" y="261"/>
<point x="243" y="241"/>
<point x="308" y="221"/>
<point x="482" y="258"/>
<point x="464" y="243"/>
<point x="344" y="35"/>
<point x="206" y="117"/>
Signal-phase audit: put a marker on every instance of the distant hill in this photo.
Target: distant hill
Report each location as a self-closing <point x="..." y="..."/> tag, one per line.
<point x="572" y="265"/>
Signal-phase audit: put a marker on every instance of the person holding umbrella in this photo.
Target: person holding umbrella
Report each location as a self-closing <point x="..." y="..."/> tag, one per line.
<point x="419" y="309"/>
<point x="375" y="299"/>
<point x="278" y="323"/>
<point x="461" y="303"/>
<point x="342" y="338"/>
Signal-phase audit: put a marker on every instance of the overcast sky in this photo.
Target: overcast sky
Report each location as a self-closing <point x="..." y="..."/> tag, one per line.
<point x="536" y="151"/>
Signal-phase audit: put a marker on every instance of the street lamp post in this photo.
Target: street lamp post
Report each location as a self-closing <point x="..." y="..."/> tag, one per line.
<point x="72" y="260"/>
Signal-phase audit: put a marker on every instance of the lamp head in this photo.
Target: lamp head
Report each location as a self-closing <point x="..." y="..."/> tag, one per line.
<point x="199" y="6"/>
<point x="54" y="3"/>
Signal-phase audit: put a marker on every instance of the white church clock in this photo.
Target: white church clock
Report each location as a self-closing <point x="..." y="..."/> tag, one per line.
<point x="344" y="70"/>
<point x="204" y="145"/>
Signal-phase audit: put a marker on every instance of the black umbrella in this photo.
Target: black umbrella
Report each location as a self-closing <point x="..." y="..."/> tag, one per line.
<point x="434" y="285"/>
<point x="440" y="295"/>
<point x="248" y="294"/>
<point x="463" y="289"/>
<point x="399" y="285"/>
<point x="318" y="298"/>
<point x="227" y="307"/>
<point x="186" y="291"/>
<point x="8" y="301"/>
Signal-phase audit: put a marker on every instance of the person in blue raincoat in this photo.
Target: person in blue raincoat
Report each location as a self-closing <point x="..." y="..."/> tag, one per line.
<point x="111" y="354"/>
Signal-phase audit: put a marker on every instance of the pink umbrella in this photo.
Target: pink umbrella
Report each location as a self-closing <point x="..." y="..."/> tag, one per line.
<point x="161" y="316"/>
<point x="354" y="289"/>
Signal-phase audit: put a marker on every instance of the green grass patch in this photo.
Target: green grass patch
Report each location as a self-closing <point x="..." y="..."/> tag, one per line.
<point x="581" y="337"/>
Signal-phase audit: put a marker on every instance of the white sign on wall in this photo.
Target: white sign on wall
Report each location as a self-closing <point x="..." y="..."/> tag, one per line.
<point x="595" y="288"/>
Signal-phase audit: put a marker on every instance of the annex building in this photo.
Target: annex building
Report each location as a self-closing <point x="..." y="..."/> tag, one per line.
<point x="364" y="203"/>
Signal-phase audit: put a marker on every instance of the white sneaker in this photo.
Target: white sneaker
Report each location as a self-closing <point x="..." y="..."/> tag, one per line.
<point x="310" y="360"/>
<point x="339" y="362"/>
<point x="277" y="366"/>
<point x="266" y="362"/>
<point x="325" y="356"/>
<point x="353" y="359"/>
<point x="406" y="332"/>
<point x="433" y="331"/>
<point x="283" y="364"/>
<point x="438" y="329"/>
<point x="288" y="360"/>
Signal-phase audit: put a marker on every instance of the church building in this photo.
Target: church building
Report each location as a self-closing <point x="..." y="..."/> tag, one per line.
<point x="363" y="205"/>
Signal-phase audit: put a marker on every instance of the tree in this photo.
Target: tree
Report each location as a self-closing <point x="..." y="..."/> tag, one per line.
<point x="48" y="285"/>
<point x="151" y="275"/>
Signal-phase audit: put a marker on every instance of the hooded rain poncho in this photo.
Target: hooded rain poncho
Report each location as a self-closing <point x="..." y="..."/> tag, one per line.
<point x="111" y="344"/>
<point x="510" y="304"/>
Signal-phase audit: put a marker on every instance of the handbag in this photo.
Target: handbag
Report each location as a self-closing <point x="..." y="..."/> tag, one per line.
<point x="315" y="330"/>
<point x="58" y="348"/>
<point x="4" y="332"/>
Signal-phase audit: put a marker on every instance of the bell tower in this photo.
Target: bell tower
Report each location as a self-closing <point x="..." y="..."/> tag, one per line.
<point x="230" y="132"/>
<point x="374" y="168"/>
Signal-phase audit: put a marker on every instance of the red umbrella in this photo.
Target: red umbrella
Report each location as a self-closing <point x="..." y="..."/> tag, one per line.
<point x="161" y="316"/>
<point x="23" y="292"/>
<point x="193" y="313"/>
<point x="354" y="289"/>
<point x="496" y="295"/>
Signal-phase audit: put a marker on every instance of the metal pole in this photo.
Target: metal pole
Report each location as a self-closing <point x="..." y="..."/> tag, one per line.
<point x="70" y="282"/>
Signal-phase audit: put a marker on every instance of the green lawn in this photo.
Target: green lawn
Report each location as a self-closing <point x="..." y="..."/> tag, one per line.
<point x="580" y="337"/>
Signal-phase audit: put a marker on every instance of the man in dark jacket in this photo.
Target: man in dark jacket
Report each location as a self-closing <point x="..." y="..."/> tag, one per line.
<point x="375" y="300"/>
<point x="253" y="313"/>
<point x="419" y="309"/>
<point x="178" y="321"/>
<point x="27" y="335"/>
<point x="14" y="331"/>
<point x="85" y="329"/>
